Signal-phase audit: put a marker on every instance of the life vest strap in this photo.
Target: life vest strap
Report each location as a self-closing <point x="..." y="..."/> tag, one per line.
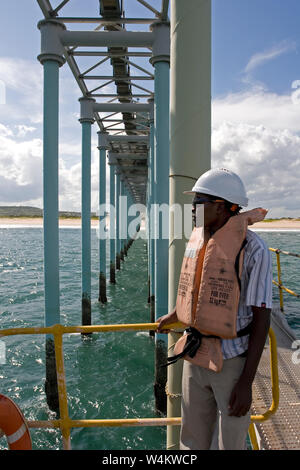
<point x="193" y="343"/>
<point x="244" y="331"/>
<point x="237" y="262"/>
<point x="194" y="340"/>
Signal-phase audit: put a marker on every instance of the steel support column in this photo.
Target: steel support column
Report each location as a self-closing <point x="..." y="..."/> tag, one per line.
<point x="126" y="221"/>
<point x="51" y="58"/>
<point x="152" y="188"/>
<point x="86" y="120"/>
<point x="103" y="147"/>
<point x="112" y="225"/>
<point x="122" y="219"/>
<point x="130" y="218"/>
<point x="148" y="189"/>
<point x="50" y="175"/>
<point x="117" y="241"/>
<point x="161" y="62"/>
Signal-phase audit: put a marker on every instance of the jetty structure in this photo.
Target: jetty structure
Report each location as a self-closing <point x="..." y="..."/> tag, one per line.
<point x="152" y="113"/>
<point x="133" y="137"/>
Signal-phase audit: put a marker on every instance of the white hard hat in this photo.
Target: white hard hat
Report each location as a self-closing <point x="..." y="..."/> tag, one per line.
<point x="222" y="183"/>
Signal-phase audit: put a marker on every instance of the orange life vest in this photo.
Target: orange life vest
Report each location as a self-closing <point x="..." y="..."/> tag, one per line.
<point x="209" y="288"/>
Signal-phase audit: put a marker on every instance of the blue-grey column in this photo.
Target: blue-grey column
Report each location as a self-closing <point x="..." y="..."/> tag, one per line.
<point x="121" y="219"/>
<point x="103" y="147"/>
<point x="150" y="214"/>
<point x="148" y="205"/>
<point x="86" y="121"/>
<point x="51" y="58"/>
<point x="130" y="218"/>
<point x="161" y="181"/>
<point x="125" y="220"/>
<point x="112" y="225"/>
<point x="51" y="209"/>
<point x="117" y="194"/>
<point x="161" y="62"/>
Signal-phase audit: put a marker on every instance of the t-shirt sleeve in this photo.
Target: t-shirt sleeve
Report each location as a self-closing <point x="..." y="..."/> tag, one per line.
<point x="259" y="290"/>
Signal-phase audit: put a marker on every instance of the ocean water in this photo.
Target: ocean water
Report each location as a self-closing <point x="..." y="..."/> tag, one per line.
<point x="109" y="375"/>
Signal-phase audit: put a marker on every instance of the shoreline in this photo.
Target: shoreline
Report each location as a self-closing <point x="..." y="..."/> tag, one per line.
<point x="284" y="224"/>
<point x="38" y="222"/>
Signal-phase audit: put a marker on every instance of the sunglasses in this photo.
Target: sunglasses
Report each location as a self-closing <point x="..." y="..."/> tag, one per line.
<point x="204" y="200"/>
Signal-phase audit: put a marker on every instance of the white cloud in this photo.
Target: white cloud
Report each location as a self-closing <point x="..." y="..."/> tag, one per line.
<point x="257" y="134"/>
<point x="267" y="160"/>
<point x="261" y="58"/>
<point x="23" y="82"/>
<point x="20" y="168"/>
<point x="23" y="130"/>
<point x="258" y="107"/>
<point x="5" y="131"/>
<point x="21" y="171"/>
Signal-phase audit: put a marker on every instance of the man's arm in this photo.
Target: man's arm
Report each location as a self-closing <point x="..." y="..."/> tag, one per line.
<point x="241" y="396"/>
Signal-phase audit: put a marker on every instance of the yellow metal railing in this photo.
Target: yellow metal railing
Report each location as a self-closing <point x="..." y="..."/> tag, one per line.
<point x="274" y="368"/>
<point x="278" y="283"/>
<point x="65" y="423"/>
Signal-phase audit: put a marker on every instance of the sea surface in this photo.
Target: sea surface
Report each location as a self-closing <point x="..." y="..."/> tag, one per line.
<point x="109" y="375"/>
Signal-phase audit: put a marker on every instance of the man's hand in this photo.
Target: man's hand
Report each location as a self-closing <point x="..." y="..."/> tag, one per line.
<point x="166" y="320"/>
<point x="240" y="399"/>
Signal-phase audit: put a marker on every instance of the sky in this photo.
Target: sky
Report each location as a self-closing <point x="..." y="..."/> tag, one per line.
<point x="255" y="103"/>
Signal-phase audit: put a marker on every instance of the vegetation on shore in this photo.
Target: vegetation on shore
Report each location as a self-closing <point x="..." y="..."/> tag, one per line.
<point x="11" y="212"/>
<point x="282" y="218"/>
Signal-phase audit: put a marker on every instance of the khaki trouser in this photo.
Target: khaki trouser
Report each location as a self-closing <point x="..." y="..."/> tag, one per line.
<point x="205" y="398"/>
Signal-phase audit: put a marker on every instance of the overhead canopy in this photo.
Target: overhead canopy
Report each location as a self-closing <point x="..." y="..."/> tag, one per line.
<point x="114" y="74"/>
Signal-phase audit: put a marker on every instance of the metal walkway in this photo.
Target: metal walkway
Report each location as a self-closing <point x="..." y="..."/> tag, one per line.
<point x="282" y="430"/>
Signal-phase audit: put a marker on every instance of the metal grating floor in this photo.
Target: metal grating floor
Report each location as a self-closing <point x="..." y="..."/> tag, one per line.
<point x="282" y="430"/>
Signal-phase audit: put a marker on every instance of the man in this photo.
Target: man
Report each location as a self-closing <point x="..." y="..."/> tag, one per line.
<point x="216" y="405"/>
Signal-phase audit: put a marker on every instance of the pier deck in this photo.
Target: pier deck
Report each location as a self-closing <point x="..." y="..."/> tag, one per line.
<point x="282" y="430"/>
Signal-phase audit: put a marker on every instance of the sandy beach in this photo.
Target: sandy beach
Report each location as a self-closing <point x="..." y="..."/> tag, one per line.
<point x="283" y="224"/>
<point x="38" y="221"/>
<point x="286" y="224"/>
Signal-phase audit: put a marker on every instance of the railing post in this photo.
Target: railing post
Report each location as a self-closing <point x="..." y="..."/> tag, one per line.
<point x="51" y="58"/>
<point x="62" y="389"/>
<point x="279" y="279"/>
<point x="86" y="120"/>
<point x="253" y="438"/>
